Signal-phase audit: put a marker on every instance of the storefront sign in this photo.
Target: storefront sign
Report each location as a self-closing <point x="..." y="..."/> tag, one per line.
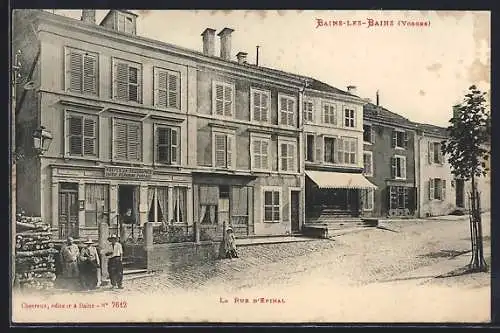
<point x="128" y="173"/>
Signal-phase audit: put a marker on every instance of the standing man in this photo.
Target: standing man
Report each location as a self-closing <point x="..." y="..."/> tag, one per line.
<point x="89" y="265"/>
<point x="115" y="266"/>
<point x="69" y="259"/>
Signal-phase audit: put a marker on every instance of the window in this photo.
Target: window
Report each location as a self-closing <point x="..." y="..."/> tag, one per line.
<point x="329" y="150"/>
<point x="368" y="134"/>
<point x="368" y="199"/>
<point x="158" y="204"/>
<point x="349" y="118"/>
<point x="125" y="24"/>
<point x="437" y="189"/>
<point x="127" y="140"/>
<point x="272" y="205"/>
<point x="127" y="77"/>
<point x="435" y="154"/>
<point x="167" y="88"/>
<point x="399" y="139"/>
<point x="329" y="114"/>
<point x="286" y="106"/>
<point x="368" y="163"/>
<point x="310" y="147"/>
<point x="209" y="199"/>
<point x="82" y="135"/>
<point x="179" y="204"/>
<point x="167" y="145"/>
<point x="400" y="197"/>
<point x="223" y="147"/>
<point x="347" y="150"/>
<point x="260" y="153"/>
<point x="82" y="72"/>
<point x="223" y="99"/>
<point x="96" y="204"/>
<point x="260" y="101"/>
<point x="287" y="152"/>
<point x="398" y="167"/>
<point x="308" y="111"/>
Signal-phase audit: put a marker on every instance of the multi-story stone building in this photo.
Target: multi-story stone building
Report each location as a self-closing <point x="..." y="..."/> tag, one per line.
<point x="389" y="162"/>
<point x="173" y="135"/>
<point x="333" y="153"/>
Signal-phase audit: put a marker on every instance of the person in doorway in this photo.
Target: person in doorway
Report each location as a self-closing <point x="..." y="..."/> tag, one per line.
<point x="69" y="260"/>
<point x="89" y="264"/>
<point x="230" y="244"/>
<point x="126" y="219"/>
<point x="115" y="265"/>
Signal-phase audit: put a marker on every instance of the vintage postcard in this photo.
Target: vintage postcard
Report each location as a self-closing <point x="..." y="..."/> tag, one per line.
<point x="273" y="166"/>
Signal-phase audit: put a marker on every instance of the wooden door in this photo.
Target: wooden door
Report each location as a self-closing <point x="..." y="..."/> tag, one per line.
<point x="294" y="210"/>
<point x="68" y="214"/>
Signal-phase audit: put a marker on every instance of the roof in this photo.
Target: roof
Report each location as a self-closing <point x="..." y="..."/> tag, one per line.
<point x="376" y="112"/>
<point x="321" y="86"/>
<point x="432" y="129"/>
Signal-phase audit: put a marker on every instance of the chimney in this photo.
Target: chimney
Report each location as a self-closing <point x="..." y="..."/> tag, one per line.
<point x="209" y="42"/>
<point x="242" y="57"/>
<point x="456" y="110"/>
<point x="88" y="16"/>
<point x="378" y="97"/>
<point x="225" y="43"/>
<point x="351" y="90"/>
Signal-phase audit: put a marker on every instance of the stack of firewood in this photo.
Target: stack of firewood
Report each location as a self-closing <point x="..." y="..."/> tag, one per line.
<point x="35" y="253"/>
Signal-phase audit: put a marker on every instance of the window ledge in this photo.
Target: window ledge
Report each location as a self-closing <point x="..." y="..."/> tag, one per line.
<point x="400" y="148"/>
<point x="81" y="158"/>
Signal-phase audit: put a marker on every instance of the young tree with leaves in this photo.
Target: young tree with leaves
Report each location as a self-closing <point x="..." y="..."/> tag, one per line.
<point x="467" y="151"/>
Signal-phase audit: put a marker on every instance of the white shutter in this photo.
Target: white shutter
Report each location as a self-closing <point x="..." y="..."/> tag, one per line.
<point x="340" y="150"/>
<point x="284" y="155"/>
<point x="283" y="111"/>
<point x="229" y="153"/>
<point x="228" y="101"/>
<point x="431" y="189"/>
<point x="394" y="138"/>
<point x="218" y="99"/>
<point x="161" y="88"/>
<point x="121" y="86"/>
<point x="76" y="71"/>
<point x="89" y="136"/>
<point x="291" y="156"/>
<point x="430" y="152"/>
<point x="90" y="74"/>
<point x="120" y="140"/>
<point x="264" y="107"/>
<point x="220" y="150"/>
<point x="174" y="145"/>
<point x="443" y="189"/>
<point x="265" y="154"/>
<point x="256" y="106"/>
<point x="257" y="161"/>
<point x="291" y="112"/>
<point x="319" y="148"/>
<point x="403" y="167"/>
<point x="173" y="90"/>
<point x="134" y="141"/>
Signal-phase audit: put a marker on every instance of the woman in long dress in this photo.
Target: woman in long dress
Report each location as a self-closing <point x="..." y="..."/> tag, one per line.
<point x="230" y="244"/>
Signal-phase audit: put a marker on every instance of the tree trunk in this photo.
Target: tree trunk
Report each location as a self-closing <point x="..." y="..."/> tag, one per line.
<point x="477" y="264"/>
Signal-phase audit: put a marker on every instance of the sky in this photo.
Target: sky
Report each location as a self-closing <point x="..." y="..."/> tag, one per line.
<point x="420" y="71"/>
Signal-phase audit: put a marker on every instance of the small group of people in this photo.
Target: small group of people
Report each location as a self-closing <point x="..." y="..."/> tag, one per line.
<point x="85" y="264"/>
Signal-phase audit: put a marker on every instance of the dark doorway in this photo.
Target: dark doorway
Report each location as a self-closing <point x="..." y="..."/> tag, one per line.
<point x="68" y="210"/>
<point x="459" y="193"/>
<point x="294" y="210"/>
<point x="128" y="198"/>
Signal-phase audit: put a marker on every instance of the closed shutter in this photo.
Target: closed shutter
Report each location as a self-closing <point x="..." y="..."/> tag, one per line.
<point x="440" y="154"/>
<point x="219" y="99"/>
<point x="319" y="148"/>
<point x="264" y="102"/>
<point x="394" y="138"/>
<point x="430" y="152"/>
<point x="89" y="133"/>
<point x="173" y="90"/>
<point x="340" y="150"/>
<point x="443" y="189"/>
<point x="164" y="143"/>
<point x="284" y="157"/>
<point x="328" y="149"/>
<point x="291" y="112"/>
<point x="75" y="124"/>
<point x="256" y="106"/>
<point x="161" y="88"/>
<point x="265" y="152"/>
<point x="257" y="161"/>
<point x="220" y="150"/>
<point x="228" y="101"/>
<point x="134" y="142"/>
<point x="405" y="136"/>
<point x="120" y="141"/>
<point x="353" y="152"/>
<point x="76" y="71"/>
<point x="291" y="157"/>
<point x="229" y="152"/>
<point x="121" y="81"/>
<point x="431" y="189"/>
<point x="394" y="167"/>
<point x="175" y="146"/>
<point x="403" y="167"/>
<point x="133" y="84"/>
<point x="90" y="74"/>
<point x="283" y="111"/>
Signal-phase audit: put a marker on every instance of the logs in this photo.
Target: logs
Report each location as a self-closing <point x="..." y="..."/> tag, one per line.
<point x="35" y="253"/>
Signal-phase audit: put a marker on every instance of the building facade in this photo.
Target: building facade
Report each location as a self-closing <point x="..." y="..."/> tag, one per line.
<point x="158" y="132"/>
<point x="389" y="162"/>
<point x="333" y="153"/>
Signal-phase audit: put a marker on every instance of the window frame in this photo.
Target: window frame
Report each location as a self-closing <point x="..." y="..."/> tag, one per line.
<point x="404" y="136"/>
<point x="324" y="113"/>
<point x="140" y="80"/>
<point x="272" y="189"/>
<point x="156" y="88"/>
<point x="67" y="71"/>
<point x="307" y="147"/>
<point x="260" y="138"/>
<point x="308" y="114"/>
<point x="368" y="153"/>
<point x="254" y="90"/>
<point x="224" y="84"/>
<point x="292" y="98"/>
<point x="156" y="154"/>
<point x="372" y="134"/>
<point x="288" y="142"/>
<point x="226" y="133"/>
<point x="335" y="148"/>
<point x="68" y="113"/>
<point x="341" y="150"/>
<point x="402" y="177"/>
<point x="114" y="121"/>
<point x="349" y="118"/>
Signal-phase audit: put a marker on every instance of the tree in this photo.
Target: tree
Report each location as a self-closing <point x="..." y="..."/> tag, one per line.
<point x="467" y="151"/>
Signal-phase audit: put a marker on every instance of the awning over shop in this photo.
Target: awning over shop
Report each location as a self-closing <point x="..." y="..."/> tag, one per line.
<point x="326" y="179"/>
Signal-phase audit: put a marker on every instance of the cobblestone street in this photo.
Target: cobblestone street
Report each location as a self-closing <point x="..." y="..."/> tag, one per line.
<point x="372" y="270"/>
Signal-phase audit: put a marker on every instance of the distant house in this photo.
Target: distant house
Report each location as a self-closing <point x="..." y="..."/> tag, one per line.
<point x="389" y="161"/>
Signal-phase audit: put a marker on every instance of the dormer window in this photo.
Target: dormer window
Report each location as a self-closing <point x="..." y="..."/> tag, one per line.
<point x="120" y="20"/>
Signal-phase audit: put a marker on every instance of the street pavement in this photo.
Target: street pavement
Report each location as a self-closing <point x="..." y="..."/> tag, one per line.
<point x="384" y="274"/>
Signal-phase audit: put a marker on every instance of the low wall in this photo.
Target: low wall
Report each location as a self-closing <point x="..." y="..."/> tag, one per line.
<point x="165" y="257"/>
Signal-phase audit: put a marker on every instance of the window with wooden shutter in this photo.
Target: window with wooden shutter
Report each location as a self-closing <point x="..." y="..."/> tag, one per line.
<point x="340" y="150"/>
<point x="405" y="139"/>
<point x="308" y="111"/>
<point x="431" y="189"/>
<point x="329" y="114"/>
<point x="127" y="141"/>
<point x="127" y="81"/>
<point x="287" y="156"/>
<point x="394" y="139"/>
<point x="82" y="135"/>
<point x="81" y="72"/>
<point x="260" y="153"/>
<point x="367" y="163"/>
<point x="287" y="110"/>
<point x="319" y="148"/>
<point x="223" y="150"/>
<point x="443" y="189"/>
<point x="167" y="88"/>
<point x="329" y="144"/>
<point x="430" y="152"/>
<point x="260" y="105"/>
<point x="222" y="99"/>
<point x="393" y="167"/>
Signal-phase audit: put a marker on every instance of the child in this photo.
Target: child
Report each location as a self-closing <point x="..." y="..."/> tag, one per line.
<point x="230" y="244"/>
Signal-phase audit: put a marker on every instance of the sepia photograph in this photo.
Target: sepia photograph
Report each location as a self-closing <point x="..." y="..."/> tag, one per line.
<point x="250" y="166"/>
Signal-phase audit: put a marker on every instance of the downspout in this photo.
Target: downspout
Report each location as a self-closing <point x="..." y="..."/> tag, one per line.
<point x="301" y="158"/>
<point x="418" y="176"/>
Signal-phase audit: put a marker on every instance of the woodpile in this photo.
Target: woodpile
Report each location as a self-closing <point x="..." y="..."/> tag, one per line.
<point x="35" y="253"/>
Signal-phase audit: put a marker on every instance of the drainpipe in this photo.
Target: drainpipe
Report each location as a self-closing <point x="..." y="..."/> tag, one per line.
<point x="418" y="176"/>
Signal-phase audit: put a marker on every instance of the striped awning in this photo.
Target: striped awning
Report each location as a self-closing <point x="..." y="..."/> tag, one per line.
<point x="326" y="179"/>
